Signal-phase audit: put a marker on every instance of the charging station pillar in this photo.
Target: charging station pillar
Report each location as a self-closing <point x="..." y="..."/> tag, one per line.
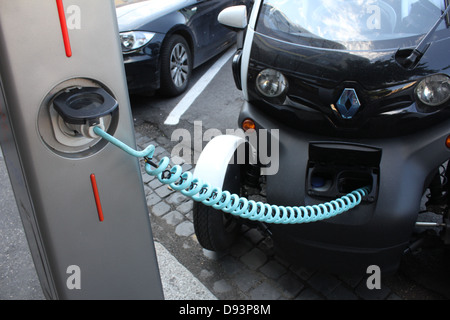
<point x="81" y="200"/>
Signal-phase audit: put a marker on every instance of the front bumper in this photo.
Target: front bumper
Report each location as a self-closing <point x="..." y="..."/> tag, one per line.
<point x="142" y="74"/>
<point x="377" y="231"/>
<point x="142" y="68"/>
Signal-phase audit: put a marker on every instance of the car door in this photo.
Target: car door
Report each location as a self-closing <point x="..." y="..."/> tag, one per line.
<point x="211" y="36"/>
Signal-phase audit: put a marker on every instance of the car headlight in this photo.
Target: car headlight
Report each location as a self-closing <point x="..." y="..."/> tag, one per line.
<point x="271" y="83"/>
<point x="133" y="40"/>
<point x="434" y="90"/>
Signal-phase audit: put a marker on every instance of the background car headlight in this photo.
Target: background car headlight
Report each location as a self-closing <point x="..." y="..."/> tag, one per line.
<point x="434" y="90"/>
<point x="133" y="40"/>
<point x="271" y="83"/>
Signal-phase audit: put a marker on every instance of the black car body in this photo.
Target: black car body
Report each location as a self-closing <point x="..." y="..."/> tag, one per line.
<point x="381" y="134"/>
<point x="324" y="68"/>
<point x="193" y="23"/>
<point x="355" y="105"/>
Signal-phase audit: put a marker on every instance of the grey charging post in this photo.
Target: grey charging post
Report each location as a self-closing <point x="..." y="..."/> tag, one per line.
<point x="81" y="200"/>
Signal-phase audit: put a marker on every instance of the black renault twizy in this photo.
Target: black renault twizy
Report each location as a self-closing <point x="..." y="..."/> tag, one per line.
<point x="358" y="93"/>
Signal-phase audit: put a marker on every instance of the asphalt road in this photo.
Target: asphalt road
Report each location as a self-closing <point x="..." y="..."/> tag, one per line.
<point x="215" y="107"/>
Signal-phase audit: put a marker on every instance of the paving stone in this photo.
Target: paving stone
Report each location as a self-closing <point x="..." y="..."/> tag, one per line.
<point x="185" y="229"/>
<point x="177" y="160"/>
<point x="254" y="259"/>
<point x="393" y="296"/>
<point x="265" y="291"/>
<point x="186" y="167"/>
<point x="254" y="236"/>
<point x="372" y="294"/>
<point x="160" y="209"/>
<point x="147" y="190"/>
<point x="162" y="140"/>
<point x="290" y="286"/>
<point x="158" y="151"/>
<point x="185" y="207"/>
<point x="206" y="274"/>
<point x="152" y="199"/>
<point x="176" y="199"/>
<point x="190" y="216"/>
<point x="221" y="286"/>
<point x="324" y="283"/>
<point x="155" y="183"/>
<point x="352" y="281"/>
<point x="142" y="141"/>
<point x="308" y="294"/>
<point x="164" y="191"/>
<point x="273" y="269"/>
<point x="282" y="261"/>
<point x="246" y="279"/>
<point x="302" y="272"/>
<point x="152" y="142"/>
<point x="137" y="136"/>
<point x="186" y="245"/>
<point x="163" y="155"/>
<point x="173" y="218"/>
<point x="342" y="293"/>
<point x="240" y="248"/>
<point x="266" y="245"/>
<point x="212" y="255"/>
<point x="230" y="265"/>
<point x="146" y="178"/>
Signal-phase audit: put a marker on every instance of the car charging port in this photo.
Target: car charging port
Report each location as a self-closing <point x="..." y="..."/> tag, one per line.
<point x="82" y="108"/>
<point x="70" y="111"/>
<point x="321" y="180"/>
<point x="348" y="181"/>
<point x="336" y="169"/>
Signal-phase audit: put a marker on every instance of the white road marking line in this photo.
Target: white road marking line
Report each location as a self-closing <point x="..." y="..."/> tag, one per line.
<point x="175" y="115"/>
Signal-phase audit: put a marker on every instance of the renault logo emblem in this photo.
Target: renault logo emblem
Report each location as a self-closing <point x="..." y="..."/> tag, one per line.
<point x="348" y="104"/>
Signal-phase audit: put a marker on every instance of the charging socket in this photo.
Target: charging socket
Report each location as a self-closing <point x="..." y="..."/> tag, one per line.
<point x="336" y="169"/>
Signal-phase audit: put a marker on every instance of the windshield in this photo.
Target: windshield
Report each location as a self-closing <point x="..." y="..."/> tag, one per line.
<point x="344" y="21"/>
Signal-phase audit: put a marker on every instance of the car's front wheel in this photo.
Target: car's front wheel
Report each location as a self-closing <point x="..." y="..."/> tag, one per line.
<point x="176" y="66"/>
<point x="216" y="230"/>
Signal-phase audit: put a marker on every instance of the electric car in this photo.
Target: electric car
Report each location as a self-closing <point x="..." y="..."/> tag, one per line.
<point x="353" y="94"/>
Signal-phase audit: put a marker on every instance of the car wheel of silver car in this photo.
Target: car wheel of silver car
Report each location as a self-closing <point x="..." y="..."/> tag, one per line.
<point x="176" y="66"/>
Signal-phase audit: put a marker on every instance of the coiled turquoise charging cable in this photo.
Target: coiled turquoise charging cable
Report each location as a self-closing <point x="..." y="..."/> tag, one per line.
<point x="232" y="203"/>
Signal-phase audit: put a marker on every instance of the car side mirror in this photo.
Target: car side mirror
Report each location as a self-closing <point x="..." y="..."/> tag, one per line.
<point x="234" y="17"/>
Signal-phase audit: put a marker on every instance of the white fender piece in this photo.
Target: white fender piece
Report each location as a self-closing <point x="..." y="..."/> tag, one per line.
<point x="215" y="157"/>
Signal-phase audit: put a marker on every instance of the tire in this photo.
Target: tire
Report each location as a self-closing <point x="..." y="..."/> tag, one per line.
<point x="176" y="66"/>
<point x="216" y="230"/>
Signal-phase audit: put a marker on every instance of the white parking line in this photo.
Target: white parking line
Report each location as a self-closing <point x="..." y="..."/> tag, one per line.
<point x="197" y="89"/>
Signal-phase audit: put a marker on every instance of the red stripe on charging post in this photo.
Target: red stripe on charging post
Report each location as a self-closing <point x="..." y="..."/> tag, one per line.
<point x="97" y="197"/>
<point x="65" y="31"/>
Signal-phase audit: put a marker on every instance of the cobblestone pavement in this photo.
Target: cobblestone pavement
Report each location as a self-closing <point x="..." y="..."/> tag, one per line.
<point x="252" y="270"/>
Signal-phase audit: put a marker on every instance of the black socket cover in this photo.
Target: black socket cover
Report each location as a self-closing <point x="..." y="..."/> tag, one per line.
<point x="82" y="105"/>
